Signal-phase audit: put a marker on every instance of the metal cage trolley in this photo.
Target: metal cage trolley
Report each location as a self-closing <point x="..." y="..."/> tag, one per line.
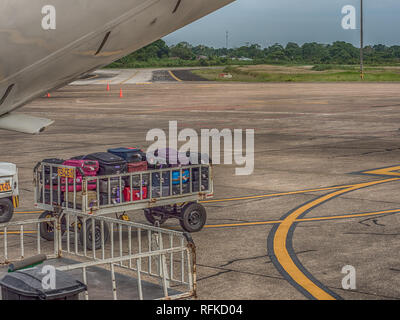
<point x="163" y="194"/>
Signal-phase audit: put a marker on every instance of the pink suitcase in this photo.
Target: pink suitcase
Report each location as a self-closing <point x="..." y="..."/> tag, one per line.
<point x="78" y="187"/>
<point x="89" y="167"/>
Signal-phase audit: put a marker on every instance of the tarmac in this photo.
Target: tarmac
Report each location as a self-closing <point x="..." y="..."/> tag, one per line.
<point x="323" y="195"/>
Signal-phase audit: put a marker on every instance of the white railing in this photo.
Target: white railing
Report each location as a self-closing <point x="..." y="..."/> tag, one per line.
<point x="161" y="256"/>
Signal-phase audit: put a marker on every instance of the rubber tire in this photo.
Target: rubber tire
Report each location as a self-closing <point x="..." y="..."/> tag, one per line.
<point x="186" y="216"/>
<point x="150" y="218"/>
<point x="7" y="210"/>
<point x="97" y="234"/>
<point x="45" y="232"/>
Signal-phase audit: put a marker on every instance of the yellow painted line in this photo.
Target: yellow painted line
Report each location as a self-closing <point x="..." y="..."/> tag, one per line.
<point x="130" y="78"/>
<point x="345" y="216"/>
<point x="18" y="232"/>
<point x="143" y="83"/>
<point x="385" y="171"/>
<point x="242" y="224"/>
<point x="27" y="212"/>
<point x="276" y="194"/>
<point x="356" y="215"/>
<point x="174" y="76"/>
<point x="281" y="234"/>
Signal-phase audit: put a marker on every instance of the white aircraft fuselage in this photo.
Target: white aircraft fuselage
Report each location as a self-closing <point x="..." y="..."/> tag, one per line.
<point x="41" y="50"/>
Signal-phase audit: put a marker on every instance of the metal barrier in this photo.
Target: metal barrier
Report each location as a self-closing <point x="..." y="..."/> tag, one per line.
<point x="166" y="256"/>
<point x="29" y="235"/>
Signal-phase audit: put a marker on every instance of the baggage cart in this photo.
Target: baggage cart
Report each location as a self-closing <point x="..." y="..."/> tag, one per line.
<point x="162" y="194"/>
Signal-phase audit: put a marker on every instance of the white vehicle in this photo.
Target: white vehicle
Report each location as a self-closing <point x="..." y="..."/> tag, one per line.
<point x="9" y="194"/>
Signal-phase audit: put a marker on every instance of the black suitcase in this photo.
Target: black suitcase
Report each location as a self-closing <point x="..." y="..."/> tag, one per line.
<point x="204" y="179"/>
<point x="136" y="180"/>
<point x="115" y="197"/>
<point x="54" y="174"/>
<point x="55" y="197"/>
<point x="109" y="163"/>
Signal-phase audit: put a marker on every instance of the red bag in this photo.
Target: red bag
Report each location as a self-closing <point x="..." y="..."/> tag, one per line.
<point x="136" y="194"/>
<point x="137" y="166"/>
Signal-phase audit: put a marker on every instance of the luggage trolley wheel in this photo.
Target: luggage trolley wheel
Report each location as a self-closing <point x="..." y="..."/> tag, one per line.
<point x="97" y="234"/>
<point x="47" y="228"/>
<point x="193" y="217"/>
<point x="6" y="210"/>
<point x="152" y="217"/>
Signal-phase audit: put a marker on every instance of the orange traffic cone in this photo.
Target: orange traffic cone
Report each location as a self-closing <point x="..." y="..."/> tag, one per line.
<point x="48" y="95"/>
<point x="108" y="87"/>
<point x="121" y="95"/>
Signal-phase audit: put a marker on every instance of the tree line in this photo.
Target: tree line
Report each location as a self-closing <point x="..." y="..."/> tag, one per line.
<point x="339" y="52"/>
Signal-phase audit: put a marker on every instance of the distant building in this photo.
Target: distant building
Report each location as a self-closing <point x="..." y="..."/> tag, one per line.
<point x="202" y="58"/>
<point x="242" y="59"/>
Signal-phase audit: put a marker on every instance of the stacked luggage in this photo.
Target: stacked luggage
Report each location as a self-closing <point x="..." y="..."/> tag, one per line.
<point x="116" y="190"/>
<point x="51" y="178"/>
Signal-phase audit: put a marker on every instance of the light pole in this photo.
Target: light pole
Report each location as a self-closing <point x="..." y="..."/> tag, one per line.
<point x="362" y="40"/>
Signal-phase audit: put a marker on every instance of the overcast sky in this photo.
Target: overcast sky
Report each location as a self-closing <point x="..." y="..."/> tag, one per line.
<point x="280" y="21"/>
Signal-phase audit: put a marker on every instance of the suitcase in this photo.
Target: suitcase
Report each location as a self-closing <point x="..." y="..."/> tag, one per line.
<point x="78" y="187"/>
<point x="166" y="190"/>
<point x="54" y="174"/>
<point x="162" y="159"/>
<point x="204" y="179"/>
<point x="92" y="200"/>
<point x="108" y="163"/>
<point x="137" y="166"/>
<point x="114" y="185"/>
<point x="89" y="167"/>
<point x="78" y="158"/>
<point x="176" y="189"/>
<point x="176" y="177"/>
<point x="115" y="198"/>
<point x="54" y="161"/>
<point x="156" y="191"/>
<point x="136" y="180"/>
<point x="155" y="179"/>
<point x="129" y="154"/>
<point x="47" y="197"/>
<point x="166" y="178"/>
<point x="136" y="194"/>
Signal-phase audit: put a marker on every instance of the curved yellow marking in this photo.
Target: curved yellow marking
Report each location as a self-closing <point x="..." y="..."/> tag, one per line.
<point x="343" y="216"/>
<point x="281" y="234"/>
<point x="174" y="76"/>
<point x="357" y="215"/>
<point x="131" y="77"/>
